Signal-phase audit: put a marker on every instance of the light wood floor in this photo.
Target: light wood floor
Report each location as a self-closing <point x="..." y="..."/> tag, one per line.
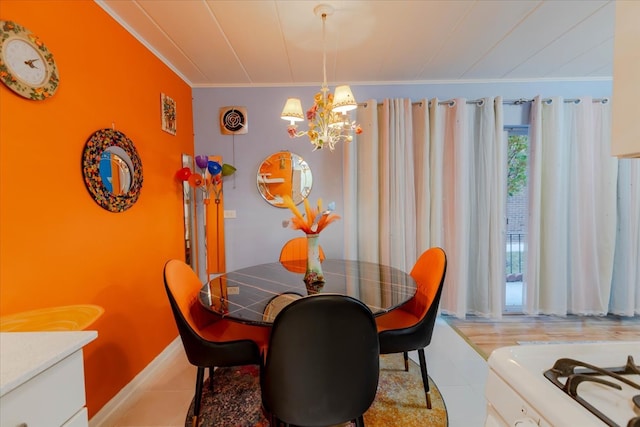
<point x="487" y="335"/>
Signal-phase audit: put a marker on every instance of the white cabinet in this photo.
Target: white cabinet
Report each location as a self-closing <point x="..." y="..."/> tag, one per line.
<point x="78" y="420"/>
<point x="43" y="379"/>
<point x="625" y="123"/>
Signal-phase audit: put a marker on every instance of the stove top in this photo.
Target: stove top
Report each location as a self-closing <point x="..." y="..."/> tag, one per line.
<point x="541" y="374"/>
<point x="606" y="391"/>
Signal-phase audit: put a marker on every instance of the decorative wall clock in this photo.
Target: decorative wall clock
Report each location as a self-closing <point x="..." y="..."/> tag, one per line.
<point x="26" y="65"/>
<point x="233" y="120"/>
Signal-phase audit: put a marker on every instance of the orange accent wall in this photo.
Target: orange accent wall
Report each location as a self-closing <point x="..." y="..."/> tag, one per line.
<point x="57" y="246"/>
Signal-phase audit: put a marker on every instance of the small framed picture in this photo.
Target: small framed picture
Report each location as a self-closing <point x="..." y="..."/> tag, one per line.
<point x="169" y="122"/>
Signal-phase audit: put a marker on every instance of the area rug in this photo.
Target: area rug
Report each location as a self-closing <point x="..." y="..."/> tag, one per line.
<point x="400" y="401"/>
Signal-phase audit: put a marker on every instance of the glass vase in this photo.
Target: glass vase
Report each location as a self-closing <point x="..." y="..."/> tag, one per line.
<point x="313" y="277"/>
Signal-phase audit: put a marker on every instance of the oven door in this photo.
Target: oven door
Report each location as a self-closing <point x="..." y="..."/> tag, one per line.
<point x="505" y="407"/>
<point x="493" y="419"/>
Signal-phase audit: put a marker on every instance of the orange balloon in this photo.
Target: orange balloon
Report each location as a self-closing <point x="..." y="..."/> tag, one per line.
<point x="195" y="180"/>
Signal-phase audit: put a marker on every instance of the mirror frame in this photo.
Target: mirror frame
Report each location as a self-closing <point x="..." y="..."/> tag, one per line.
<point x="262" y="187"/>
<point x="97" y="143"/>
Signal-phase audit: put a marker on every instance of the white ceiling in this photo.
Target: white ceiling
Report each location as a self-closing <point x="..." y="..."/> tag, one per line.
<point x="279" y="42"/>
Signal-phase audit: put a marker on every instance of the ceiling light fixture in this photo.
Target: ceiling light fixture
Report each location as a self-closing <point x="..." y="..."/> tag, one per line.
<point x="328" y="118"/>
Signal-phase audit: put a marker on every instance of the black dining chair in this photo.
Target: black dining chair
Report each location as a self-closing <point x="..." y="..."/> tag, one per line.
<point x="410" y="326"/>
<point x="323" y="362"/>
<point x="209" y="341"/>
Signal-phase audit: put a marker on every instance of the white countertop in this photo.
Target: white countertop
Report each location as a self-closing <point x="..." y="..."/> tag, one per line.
<point x="23" y="355"/>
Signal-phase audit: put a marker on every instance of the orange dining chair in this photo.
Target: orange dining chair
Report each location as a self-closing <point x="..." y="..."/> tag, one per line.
<point x="293" y="255"/>
<point x="208" y="340"/>
<point x="410" y="326"/>
<point x="296" y="249"/>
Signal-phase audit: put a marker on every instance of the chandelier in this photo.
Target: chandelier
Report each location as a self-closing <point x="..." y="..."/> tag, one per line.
<point x="328" y="117"/>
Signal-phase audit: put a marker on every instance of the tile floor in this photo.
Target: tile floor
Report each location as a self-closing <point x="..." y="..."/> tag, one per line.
<point x="456" y="368"/>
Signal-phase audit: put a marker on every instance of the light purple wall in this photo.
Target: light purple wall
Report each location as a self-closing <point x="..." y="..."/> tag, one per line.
<point x="256" y="235"/>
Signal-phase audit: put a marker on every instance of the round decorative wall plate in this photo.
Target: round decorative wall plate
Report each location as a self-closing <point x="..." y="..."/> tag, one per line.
<point x="26" y="65"/>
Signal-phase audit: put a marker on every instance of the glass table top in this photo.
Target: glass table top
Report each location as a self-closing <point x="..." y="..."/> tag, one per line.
<point x="255" y="294"/>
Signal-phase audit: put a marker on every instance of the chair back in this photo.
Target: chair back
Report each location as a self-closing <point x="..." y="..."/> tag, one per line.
<point x="183" y="285"/>
<point x="429" y="272"/>
<point x="322" y="367"/>
<point x="296" y="249"/>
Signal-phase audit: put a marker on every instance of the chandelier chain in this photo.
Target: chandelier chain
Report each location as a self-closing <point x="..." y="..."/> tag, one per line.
<point x="324" y="50"/>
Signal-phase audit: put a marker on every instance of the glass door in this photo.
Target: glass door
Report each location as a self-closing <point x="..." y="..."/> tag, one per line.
<point x="517" y="213"/>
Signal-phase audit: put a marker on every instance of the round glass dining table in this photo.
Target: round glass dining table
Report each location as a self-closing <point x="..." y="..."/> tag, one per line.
<point x="255" y="294"/>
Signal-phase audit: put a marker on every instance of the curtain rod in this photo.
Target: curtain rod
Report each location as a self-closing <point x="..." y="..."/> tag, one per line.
<point x="520" y="101"/>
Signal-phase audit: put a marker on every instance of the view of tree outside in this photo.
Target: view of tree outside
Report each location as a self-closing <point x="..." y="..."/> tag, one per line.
<point x="517" y="157"/>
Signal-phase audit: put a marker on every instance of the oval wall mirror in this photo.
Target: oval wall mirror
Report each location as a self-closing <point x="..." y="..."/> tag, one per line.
<point x="284" y="173"/>
<point x="112" y="170"/>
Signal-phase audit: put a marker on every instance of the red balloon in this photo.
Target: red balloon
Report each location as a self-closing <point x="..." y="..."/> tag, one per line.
<point x="195" y="180"/>
<point x="183" y="174"/>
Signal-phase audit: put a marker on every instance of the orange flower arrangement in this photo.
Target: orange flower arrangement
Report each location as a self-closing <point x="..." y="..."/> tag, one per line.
<point x="314" y="220"/>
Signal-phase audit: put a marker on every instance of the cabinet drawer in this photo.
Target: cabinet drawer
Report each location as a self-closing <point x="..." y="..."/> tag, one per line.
<point x="48" y="399"/>
<point x="81" y="419"/>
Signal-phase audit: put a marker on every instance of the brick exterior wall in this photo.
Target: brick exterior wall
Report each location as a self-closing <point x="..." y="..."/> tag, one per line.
<point x="517" y="213"/>
<point x="516" y="232"/>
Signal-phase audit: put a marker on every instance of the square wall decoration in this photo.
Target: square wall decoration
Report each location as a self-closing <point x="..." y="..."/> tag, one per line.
<point x="169" y="123"/>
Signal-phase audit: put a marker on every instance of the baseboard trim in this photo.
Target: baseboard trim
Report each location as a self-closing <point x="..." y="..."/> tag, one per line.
<point x="113" y="409"/>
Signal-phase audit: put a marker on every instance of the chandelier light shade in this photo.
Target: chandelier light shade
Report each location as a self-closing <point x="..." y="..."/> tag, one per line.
<point x="343" y="100"/>
<point x="327" y="118"/>
<point x="292" y="111"/>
